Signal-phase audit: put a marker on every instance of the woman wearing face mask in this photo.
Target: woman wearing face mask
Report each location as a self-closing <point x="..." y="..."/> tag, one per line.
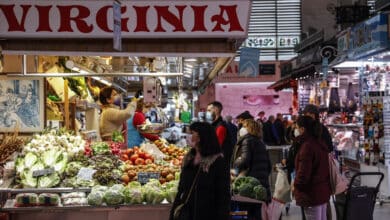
<point x="312" y="181"/>
<point x="112" y="117"/>
<point x="204" y="171"/>
<point x="134" y="138"/>
<point x="250" y="158"/>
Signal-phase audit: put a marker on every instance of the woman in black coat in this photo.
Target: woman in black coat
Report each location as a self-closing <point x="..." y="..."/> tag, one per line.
<point x="210" y="198"/>
<point x="250" y="158"/>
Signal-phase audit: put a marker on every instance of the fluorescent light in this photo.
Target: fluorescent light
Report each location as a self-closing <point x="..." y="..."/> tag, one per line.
<point x="189" y="65"/>
<point x="190" y="59"/>
<point x="104" y="81"/>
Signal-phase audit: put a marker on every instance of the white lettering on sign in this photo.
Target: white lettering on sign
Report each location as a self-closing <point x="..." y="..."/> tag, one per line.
<point x="153" y="19"/>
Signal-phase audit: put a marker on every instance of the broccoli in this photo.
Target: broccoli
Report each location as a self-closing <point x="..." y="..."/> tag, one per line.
<point x="246" y="185"/>
<point x="260" y="192"/>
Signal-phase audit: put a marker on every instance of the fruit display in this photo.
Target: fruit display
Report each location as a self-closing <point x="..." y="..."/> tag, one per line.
<point x="136" y="156"/>
<point x="167" y="173"/>
<point x="173" y="153"/>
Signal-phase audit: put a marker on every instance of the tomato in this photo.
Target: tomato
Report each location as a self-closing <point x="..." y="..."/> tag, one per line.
<point x="176" y="162"/>
<point x="124" y="157"/>
<point x="125" y="178"/>
<point x="164" y="173"/>
<point x="129" y="152"/>
<point x="148" y="161"/>
<point x="141" y="154"/>
<point x="134" y="157"/>
<point x="170" y="177"/>
<point x="136" y="148"/>
<point x="139" y="161"/>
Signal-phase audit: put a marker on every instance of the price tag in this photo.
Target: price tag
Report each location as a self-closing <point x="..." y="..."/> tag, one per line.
<point x="144" y="177"/>
<point x="43" y="172"/>
<point x="85" y="173"/>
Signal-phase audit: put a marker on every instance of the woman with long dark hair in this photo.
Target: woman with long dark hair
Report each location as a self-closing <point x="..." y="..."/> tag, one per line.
<point x="204" y="185"/>
<point x="312" y="182"/>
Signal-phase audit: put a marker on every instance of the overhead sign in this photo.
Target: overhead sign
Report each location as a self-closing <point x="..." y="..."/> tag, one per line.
<point x="147" y="19"/>
<point x="249" y="62"/>
<point x="270" y="42"/>
<point x="369" y="37"/>
<point x="117" y="41"/>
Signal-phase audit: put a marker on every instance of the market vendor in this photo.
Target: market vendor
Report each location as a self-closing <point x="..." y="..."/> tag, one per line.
<point x="134" y="137"/>
<point x="112" y="117"/>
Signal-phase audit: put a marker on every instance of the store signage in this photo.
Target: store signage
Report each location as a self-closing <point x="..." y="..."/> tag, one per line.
<point x="144" y="177"/>
<point x="343" y="42"/>
<point x="150" y="19"/>
<point x="117" y="40"/>
<point x="369" y="37"/>
<point x="249" y="62"/>
<point x="272" y="42"/>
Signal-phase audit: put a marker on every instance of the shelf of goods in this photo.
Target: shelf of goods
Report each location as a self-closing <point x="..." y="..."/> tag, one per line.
<point x="60" y="172"/>
<point x="347" y="139"/>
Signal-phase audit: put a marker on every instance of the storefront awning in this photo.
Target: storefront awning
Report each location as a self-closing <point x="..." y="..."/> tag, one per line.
<point x="287" y="81"/>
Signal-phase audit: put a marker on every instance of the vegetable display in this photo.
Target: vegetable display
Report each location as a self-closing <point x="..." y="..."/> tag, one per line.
<point x="249" y="187"/>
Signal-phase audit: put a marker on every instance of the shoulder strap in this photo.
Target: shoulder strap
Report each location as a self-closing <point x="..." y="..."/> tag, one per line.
<point x="192" y="186"/>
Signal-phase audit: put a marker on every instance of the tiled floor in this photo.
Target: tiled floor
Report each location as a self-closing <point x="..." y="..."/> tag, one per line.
<point x="380" y="213"/>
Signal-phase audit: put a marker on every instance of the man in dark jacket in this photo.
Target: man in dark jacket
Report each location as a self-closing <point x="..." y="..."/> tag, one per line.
<point x="279" y="127"/>
<point x="232" y="128"/>
<point x="213" y="115"/>
<point x="269" y="132"/>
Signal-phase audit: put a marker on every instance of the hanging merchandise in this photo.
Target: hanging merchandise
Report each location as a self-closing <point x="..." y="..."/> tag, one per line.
<point x="334" y="100"/>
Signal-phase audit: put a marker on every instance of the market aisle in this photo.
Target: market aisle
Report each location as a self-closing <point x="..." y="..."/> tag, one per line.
<point x="380" y="213"/>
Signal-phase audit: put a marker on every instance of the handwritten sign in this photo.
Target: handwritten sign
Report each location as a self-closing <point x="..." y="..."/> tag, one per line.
<point x="85" y="173"/>
<point x="43" y="172"/>
<point x="144" y="177"/>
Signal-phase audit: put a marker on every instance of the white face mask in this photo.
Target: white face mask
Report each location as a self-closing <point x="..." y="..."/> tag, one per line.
<point x="189" y="141"/>
<point x="296" y="132"/>
<point x="209" y="116"/>
<point x="243" y="132"/>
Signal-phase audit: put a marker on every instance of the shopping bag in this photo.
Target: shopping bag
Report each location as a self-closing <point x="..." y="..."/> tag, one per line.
<point x="282" y="187"/>
<point x="338" y="182"/>
<point x="274" y="209"/>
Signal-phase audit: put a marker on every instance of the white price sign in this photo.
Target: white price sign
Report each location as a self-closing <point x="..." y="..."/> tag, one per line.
<point x="85" y="173"/>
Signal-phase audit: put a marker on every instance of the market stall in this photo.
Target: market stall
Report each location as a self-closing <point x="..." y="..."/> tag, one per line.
<point x="58" y="58"/>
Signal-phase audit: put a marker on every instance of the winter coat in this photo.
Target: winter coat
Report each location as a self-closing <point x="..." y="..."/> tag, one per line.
<point x="312" y="181"/>
<point x="210" y="198"/>
<point x="251" y="157"/>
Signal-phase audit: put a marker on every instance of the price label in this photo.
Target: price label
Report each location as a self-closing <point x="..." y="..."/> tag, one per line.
<point x="85" y="173"/>
<point x="144" y="177"/>
<point x="43" y="172"/>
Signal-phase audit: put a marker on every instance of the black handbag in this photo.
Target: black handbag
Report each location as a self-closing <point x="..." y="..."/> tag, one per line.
<point x="181" y="211"/>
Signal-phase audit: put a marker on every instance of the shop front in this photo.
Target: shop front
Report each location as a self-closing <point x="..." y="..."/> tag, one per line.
<point x="369" y="46"/>
<point x="55" y="58"/>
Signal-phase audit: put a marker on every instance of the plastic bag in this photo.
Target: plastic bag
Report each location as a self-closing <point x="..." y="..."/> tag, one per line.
<point x="274" y="209"/>
<point x="282" y="187"/>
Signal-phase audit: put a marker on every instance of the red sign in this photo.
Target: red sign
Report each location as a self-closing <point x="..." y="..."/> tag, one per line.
<point x="150" y="19"/>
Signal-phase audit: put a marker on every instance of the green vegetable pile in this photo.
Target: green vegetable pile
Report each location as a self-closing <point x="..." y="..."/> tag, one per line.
<point x="100" y="148"/>
<point x="106" y="166"/>
<point x="117" y="137"/>
<point x="27" y="164"/>
<point x="249" y="187"/>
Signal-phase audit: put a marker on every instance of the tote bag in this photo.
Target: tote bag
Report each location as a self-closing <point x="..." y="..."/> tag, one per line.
<point x="338" y="182"/>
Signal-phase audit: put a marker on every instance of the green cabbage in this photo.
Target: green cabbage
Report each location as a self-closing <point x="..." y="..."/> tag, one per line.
<point x="27" y="179"/>
<point x="61" y="163"/>
<point x="50" y="157"/>
<point x="114" y="195"/>
<point x="48" y="181"/>
<point x="73" y="168"/>
<point x="19" y="164"/>
<point x="133" y="195"/>
<point x="30" y="159"/>
<point x="95" y="198"/>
